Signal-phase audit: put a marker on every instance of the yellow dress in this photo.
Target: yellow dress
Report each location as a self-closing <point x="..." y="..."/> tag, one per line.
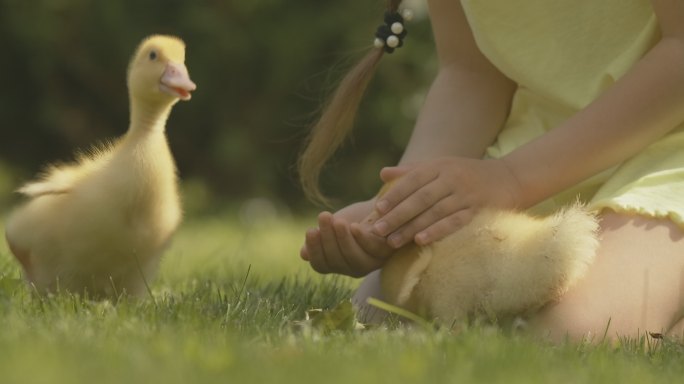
<point x="563" y="54"/>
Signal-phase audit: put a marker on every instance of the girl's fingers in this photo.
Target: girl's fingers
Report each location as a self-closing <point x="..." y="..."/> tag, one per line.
<point x="444" y="208"/>
<point x="358" y="261"/>
<point x="403" y="188"/>
<point x="331" y="249"/>
<point x="304" y="252"/>
<point x="411" y="207"/>
<point x="315" y="251"/>
<point x="444" y="227"/>
<point x="389" y="174"/>
<point x="338" y="246"/>
<point x="375" y="246"/>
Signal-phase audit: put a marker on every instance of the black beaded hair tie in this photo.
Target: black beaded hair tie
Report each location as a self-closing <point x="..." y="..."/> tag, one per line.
<point x="391" y="34"/>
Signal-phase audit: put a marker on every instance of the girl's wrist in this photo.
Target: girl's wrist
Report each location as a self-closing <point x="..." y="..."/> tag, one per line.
<point x="514" y="188"/>
<point x="527" y="187"/>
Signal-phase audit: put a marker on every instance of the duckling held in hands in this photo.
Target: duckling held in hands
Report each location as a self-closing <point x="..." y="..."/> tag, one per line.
<point x="501" y="265"/>
<point x="100" y="225"/>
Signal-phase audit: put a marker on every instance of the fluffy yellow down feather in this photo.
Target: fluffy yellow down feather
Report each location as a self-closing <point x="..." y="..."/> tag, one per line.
<point x="100" y="225"/>
<point x="501" y="265"/>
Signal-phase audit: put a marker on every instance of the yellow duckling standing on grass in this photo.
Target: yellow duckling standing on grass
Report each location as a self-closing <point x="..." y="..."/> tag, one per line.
<point x="100" y="225"/>
<point x="501" y="265"/>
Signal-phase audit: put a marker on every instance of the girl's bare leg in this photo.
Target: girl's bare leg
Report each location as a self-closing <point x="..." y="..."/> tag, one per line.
<point x="635" y="285"/>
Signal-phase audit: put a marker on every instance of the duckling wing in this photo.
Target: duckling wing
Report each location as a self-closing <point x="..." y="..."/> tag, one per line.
<point x="55" y="181"/>
<point x="60" y="179"/>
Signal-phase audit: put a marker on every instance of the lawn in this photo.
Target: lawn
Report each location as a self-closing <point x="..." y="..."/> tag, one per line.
<point x="228" y="307"/>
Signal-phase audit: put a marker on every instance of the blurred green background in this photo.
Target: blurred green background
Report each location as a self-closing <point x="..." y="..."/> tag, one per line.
<point x="263" y="68"/>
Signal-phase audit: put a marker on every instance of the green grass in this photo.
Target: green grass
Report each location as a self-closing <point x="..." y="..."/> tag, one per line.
<point x="213" y="321"/>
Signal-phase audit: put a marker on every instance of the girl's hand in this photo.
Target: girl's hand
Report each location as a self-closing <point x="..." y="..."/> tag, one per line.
<point x="435" y="198"/>
<point x="342" y="245"/>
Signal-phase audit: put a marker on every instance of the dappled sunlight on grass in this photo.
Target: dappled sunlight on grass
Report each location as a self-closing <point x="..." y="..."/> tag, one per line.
<point x="212" y="321"/>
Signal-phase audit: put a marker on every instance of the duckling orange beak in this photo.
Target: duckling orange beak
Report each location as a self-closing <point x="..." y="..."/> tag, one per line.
<point x="176" y="82"/>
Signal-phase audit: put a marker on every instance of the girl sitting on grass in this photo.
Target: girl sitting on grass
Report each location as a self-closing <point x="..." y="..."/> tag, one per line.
<point x="535" y="104"/>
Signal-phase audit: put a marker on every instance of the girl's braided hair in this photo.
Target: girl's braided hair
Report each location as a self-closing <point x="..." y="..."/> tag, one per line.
<point x="337" y="117"/>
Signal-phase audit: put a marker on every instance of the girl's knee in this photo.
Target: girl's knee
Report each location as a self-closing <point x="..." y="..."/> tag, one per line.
<point x="369" y="287"/>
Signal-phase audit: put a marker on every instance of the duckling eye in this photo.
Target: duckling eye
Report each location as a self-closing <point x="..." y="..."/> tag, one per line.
<point x="153" y="55"/>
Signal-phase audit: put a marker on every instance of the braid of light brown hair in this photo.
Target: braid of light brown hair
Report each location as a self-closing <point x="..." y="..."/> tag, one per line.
<point x="337" y="120"/>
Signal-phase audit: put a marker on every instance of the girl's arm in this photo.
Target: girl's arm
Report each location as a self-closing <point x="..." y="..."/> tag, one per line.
<point x="639" y="108"/>
<point x="437" y="197"/>
<point x="463" y="112"/>
<point x="469" y="99"/>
